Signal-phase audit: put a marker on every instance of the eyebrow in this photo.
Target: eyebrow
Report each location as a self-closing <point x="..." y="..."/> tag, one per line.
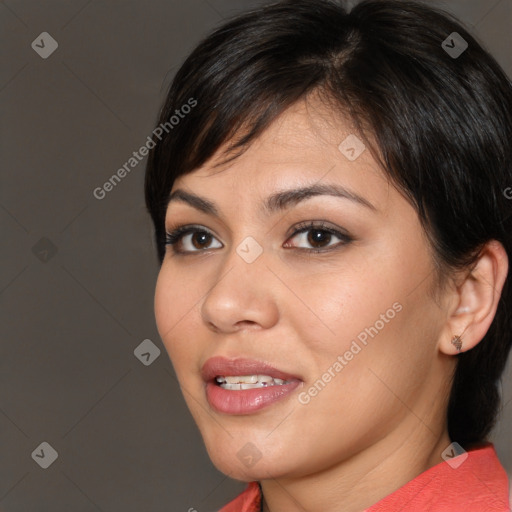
<point x="278" y="201"/>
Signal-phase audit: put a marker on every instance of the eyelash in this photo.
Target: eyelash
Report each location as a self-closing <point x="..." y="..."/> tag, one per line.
<point x="175" y="236"/>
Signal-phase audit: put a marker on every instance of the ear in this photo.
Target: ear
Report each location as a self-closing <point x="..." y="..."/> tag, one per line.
<point x="475" y="300"/>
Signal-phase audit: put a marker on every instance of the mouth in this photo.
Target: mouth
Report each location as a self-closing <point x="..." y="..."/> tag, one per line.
<point x="243" y="386"/>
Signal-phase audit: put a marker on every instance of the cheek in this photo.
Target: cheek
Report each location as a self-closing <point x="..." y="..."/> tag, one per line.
<point x="174" y="311"/>
<point x="164" y="305"/>
<point x="367" y="315"/>
<point x="342" y="306"/>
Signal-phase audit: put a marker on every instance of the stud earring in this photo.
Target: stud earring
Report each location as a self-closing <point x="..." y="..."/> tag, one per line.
<point x="457" y="343"/>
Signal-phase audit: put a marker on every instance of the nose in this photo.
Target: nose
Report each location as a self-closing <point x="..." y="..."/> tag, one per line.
<point x="244" y="292"/>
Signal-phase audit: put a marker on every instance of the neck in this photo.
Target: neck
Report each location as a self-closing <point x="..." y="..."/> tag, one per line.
<point x="363" y="479"/>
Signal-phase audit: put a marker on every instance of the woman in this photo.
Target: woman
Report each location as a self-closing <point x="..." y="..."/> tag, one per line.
<point x="356" y="369"/>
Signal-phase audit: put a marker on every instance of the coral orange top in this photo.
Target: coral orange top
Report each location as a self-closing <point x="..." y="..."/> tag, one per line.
<point x="479" y="484"/>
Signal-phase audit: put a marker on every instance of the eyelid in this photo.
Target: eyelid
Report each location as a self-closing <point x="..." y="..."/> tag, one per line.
<point x="319" y="224"/>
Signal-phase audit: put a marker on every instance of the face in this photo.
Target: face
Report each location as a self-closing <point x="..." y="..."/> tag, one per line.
<point x="329" y="293"/>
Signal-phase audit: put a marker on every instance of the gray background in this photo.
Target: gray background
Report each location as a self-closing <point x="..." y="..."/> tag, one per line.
<point x="78" y="273"/>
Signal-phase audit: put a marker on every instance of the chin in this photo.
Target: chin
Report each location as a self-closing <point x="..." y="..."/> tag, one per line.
<point x="248" y="461"/>
<point x="231" y="466"/>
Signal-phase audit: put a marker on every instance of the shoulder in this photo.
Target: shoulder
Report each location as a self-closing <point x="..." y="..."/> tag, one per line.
<point x="474" y="481"/>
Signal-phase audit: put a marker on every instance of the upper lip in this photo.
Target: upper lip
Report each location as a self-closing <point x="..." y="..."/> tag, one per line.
<point x="218" y="365"/>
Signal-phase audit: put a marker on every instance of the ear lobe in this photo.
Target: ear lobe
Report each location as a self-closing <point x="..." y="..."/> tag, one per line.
<point x="477" y="299"/>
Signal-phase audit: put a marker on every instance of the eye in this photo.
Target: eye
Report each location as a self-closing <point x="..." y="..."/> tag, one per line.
<point x="318" y="235"/>
<point x="184" y="239"/>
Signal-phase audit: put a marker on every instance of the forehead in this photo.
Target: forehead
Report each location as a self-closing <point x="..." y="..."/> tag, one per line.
<point x="304" y="146"/>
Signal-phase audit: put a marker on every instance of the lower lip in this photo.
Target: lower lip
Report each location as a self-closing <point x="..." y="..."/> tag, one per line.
<point x="246" y="401"/>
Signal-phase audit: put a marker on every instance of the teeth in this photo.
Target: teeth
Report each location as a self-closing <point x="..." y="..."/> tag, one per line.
<point x="240" y="382"/>
<point x="231" y="386"/>
<point x="243" y="379"/>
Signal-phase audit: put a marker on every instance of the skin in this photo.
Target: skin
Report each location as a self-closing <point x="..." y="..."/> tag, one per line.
<point x="380" y="421"/>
